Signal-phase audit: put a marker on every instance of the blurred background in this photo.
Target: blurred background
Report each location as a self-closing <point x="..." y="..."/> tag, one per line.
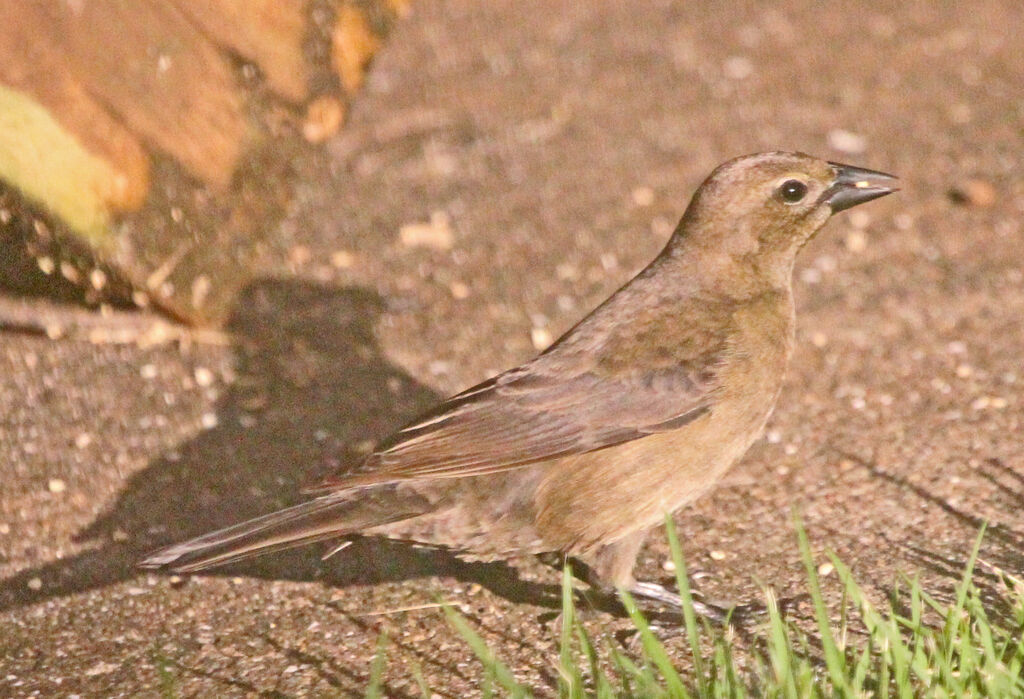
<point x="239" y="242"/>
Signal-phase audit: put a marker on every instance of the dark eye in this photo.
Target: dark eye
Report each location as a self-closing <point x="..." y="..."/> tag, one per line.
<point x="792" y="191"/>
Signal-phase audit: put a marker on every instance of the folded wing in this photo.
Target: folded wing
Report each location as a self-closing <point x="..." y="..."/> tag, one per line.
<point x="527" y="415"/>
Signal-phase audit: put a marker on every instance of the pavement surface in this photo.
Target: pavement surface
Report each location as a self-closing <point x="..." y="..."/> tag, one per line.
<point x="508" y="166"/>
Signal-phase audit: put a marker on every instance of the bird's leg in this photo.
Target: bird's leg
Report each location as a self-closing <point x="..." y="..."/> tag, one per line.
<point x="611" y="565"/>
<point x="611" y="569"/>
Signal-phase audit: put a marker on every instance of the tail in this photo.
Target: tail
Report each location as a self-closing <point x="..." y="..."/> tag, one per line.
<point x="327" y="517"/>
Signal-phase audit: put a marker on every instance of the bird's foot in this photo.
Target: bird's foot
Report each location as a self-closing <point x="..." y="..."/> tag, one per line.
<point x="664" y="596"/>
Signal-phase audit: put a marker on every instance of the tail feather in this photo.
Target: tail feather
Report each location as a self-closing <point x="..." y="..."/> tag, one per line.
<point x="327" y="517"/>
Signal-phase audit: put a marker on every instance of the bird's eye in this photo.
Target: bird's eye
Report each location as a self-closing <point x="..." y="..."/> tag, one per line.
<point x="792" y="191"/>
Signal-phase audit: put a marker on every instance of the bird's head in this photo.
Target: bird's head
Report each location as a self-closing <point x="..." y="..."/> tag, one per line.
<point x="761" y="209"/>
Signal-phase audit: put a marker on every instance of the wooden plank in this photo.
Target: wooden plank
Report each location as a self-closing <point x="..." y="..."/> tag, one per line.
<point x="57" y="144"/>
<point x="43" y="160"/>
<point x="33" y="67"/>
<point x="270" y="33"/>
<point x="154" y="69"/>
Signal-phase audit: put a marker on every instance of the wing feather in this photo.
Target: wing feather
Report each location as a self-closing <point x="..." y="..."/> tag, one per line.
<point x="605" y="382"/>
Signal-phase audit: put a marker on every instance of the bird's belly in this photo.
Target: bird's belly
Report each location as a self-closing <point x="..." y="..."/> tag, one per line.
<point x="600" y="497"/>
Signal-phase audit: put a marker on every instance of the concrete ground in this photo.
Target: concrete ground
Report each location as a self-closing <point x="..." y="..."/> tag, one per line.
<point x="509" y="165"/>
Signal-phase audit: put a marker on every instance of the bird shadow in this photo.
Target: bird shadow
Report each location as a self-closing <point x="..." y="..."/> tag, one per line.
<point x="312" y="390"/>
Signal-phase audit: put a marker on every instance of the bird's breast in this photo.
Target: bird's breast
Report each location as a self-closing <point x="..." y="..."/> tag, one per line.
<point x="599" y="497"/>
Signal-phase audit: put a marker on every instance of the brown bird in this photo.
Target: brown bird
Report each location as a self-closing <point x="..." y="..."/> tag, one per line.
<point x="633" y="413"/>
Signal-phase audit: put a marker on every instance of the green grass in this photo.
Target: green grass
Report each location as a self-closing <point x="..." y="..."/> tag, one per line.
<point x="918" y="646"/>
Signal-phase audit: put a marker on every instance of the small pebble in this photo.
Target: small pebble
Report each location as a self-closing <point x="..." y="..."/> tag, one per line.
<point x="323" y="119"/>
<point x="70" y="272"/>
<point x="717" y="555"/>
<point x="147" y="371"/>
<point x="83" y="440"/>
<point x="856" y="241"/>
<point x="208" y="421"/>
<point x="342" y="259"/>
<point x="859" y="218"/>
<point x="810" y="275"/>
<point x="541" y="338"/>
<point x="825" y="569"/>
<point x="847" y="141"/>
<point x="101" y="668"/>
<point x="98" y="279"/>
<point x="567" y="272"/>
<point x="439" y="367"/>
<point x="458" y="290"/>
<point x="436" y="234"/>
<point x="204" y="377"/>
<point x="46" y="265"/>
<point x="35" y="584"/>
<point x="737" y="67"/>
<point x="56" y="485"/>
<point x="299" y="255"/>
<point x="643" y="196"/>
<point x="668" y="565"/>
<point x="609" y="261"/>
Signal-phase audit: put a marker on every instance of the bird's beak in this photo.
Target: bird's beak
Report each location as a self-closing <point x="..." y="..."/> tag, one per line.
<point x="856" y="185"/>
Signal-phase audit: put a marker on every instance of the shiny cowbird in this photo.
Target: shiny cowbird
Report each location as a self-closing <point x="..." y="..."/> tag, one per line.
<point x="634" y="412"/>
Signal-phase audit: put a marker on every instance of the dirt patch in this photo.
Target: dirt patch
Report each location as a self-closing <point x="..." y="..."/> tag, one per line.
<point x="559" y="144"/>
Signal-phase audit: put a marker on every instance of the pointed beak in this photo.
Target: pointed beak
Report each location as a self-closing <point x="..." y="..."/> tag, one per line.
<point x="856" y="185"/>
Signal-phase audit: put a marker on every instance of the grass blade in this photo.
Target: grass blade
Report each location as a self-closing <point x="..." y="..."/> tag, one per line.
<point x="375" y="687"/>
<point x="654" y="650"/>
<point x="689" y="616"/>
<point x="835" y="661"/>
<point x="497" y="669"/>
